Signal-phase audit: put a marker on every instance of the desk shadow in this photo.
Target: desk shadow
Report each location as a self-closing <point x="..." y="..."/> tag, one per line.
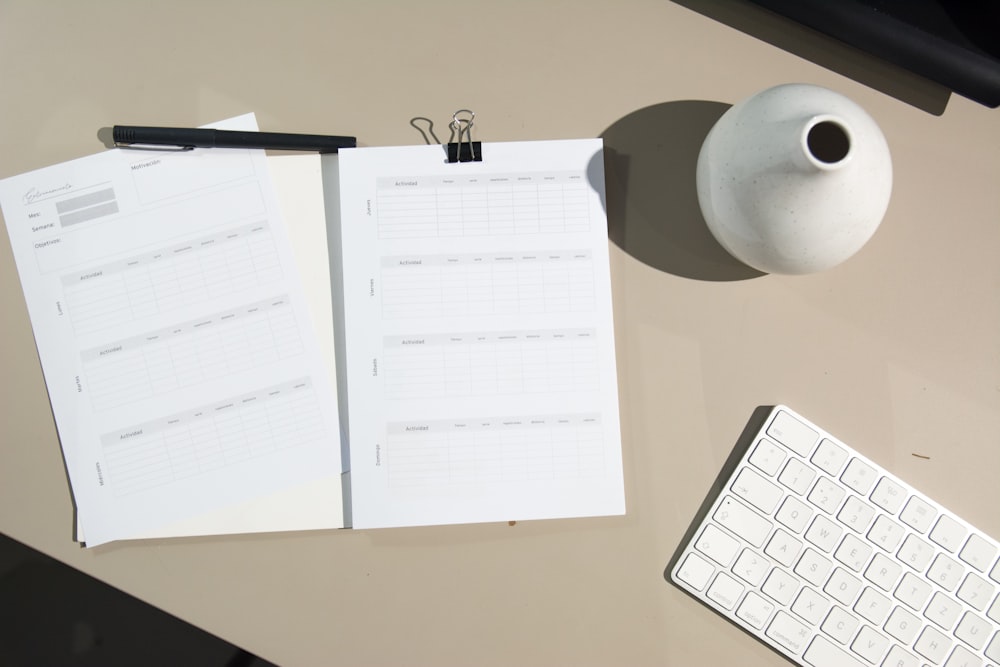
<point x="650" y="158"/>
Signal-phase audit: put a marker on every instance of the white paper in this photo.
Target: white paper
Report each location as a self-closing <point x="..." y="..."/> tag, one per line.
<point x="481" y="382"/>
<point x="178" y="352"/>
<point x="318" y="504"/>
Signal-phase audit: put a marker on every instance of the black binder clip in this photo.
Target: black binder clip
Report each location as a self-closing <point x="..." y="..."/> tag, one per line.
<point x="465" y="150"/>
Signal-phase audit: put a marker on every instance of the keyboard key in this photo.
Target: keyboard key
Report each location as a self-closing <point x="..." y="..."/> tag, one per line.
<point x="830" y="457"/>
<point x="823" y="653"/>
<point x="780" y="587"/>
<point x="725" y="590"/>
<point x="859" y="476"/>
<point x="994" y="611"/>
<point x="943" y="610"/>
<point x="827" y="495"/>
<point x="945" y="572"/>
<point x="717" y="545"/>
<point x="915" y="552"/>
<point x="742" y="521"/>
<point x="962" y="657"/>
<point x="813" y="567"/>
<point x="794" y="514"/>
<point x="783" y="548"/>
<point x="886" y="533"/>
<point x="751" y="567"/>
<point x="842" y="586"/>
<point x="755" y="610"/>
<point x="873" y="606"/>
<point x="797" y="476"/>
<point x="811" y="606"/>
<point x="767" y="457"/>
<point x="888" y="495"/>
<point x="932" y="645"/>
<point x="756" y="490"/>
<point x="824" y="533"/>
<point x="883" y="572"/>
<point x="948" y="533"/>
<point x="870" y="645"/>
<point x="993" y="649"/>
<point x="900" y="658"/>
<point x="978" y="553"/>
<point x="976" y="592"/>
<point x="853" y="553"/>
<point x="792" y="433"/>
<point x="696" y="571"/>
<point x="788" y="632"/>
<point x="902" y="625"/>
<point x="856" y="514"/>
<point x="840" y="624"/>
<point x="913" y="591"/>
<point x="918" y="514"/>
<point x="973" y="630"/>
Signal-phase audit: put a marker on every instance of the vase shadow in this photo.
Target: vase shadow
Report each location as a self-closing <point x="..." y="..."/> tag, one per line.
<point x="651" y="157"/>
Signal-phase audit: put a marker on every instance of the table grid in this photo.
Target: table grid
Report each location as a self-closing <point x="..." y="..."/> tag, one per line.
<point x="213" y="437"/>
<point x="162" y="281"/>
<point x="185" y="355"/>
<point x="476" y="285"/>
<point x="485" y="453"/>
<point x="450" y="208"/>
<point x="480" y="365"/>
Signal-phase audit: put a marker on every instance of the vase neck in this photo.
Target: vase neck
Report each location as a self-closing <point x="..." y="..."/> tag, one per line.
<point x="826" y="142"/>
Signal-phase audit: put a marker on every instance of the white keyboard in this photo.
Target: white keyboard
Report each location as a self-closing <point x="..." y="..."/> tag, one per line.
<point x="832" y="561"/>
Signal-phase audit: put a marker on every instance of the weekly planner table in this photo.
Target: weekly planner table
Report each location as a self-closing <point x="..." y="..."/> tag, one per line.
<point x="896" y="351"/>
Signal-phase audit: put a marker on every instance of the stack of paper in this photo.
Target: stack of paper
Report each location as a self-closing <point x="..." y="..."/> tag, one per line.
<point x="178" y="351"/>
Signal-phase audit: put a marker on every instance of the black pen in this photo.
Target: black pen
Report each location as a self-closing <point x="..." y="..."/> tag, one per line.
<point x="128" y="135"/>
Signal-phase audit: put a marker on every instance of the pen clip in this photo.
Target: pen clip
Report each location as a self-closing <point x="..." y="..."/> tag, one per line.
<point x="154" y="147"/>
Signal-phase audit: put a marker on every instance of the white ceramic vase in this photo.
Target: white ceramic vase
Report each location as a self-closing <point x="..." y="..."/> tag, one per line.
<point x="795" y="179"/>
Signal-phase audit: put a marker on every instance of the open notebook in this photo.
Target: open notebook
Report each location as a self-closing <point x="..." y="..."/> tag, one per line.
<point x="193" y="374"/>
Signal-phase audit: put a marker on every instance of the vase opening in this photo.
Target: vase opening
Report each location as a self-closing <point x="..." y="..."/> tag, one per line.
<point x="828" y="142"/>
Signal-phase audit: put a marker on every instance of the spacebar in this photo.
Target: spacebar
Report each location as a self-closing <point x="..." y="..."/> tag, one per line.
<point x="823" y="653"/>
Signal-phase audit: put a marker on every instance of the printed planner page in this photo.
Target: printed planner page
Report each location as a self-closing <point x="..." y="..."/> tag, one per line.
<point x="481" y="381"/>
<point x="178" y="353"/>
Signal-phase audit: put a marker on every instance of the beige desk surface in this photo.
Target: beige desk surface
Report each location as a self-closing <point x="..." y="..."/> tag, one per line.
<point x="897" y="351"/>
